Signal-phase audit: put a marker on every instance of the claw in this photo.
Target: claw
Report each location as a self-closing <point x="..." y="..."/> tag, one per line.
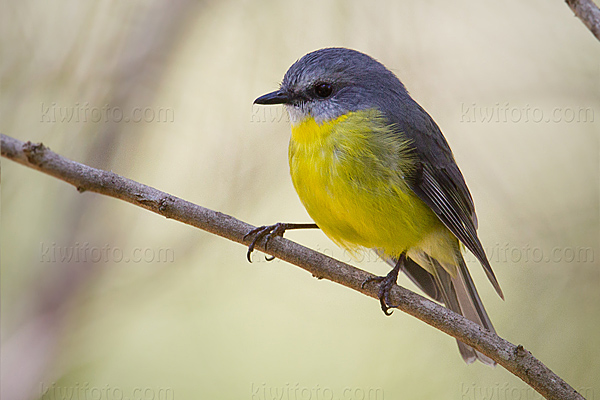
<point x="267" y="232"/>
<point x="270" y="231"/>
<point x="385" y="286"/>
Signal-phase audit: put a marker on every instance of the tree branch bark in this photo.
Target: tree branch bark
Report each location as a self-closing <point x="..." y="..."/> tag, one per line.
<point x="515" y="359"/>
<point x="588" y="12"/>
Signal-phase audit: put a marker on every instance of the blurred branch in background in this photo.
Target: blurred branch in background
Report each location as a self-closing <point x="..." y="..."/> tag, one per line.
<point x="136" y="55"/>
<point x="588" y="12"/>
<point x="515" y="359"/>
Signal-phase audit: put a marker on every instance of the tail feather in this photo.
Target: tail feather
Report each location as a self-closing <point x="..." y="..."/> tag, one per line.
<point x="423" y="279"/>
<point x="468" y="304"/>
<point x="457" y="293"/>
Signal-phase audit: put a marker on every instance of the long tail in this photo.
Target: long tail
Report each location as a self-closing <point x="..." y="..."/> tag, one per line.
<point x="458" y="294"/>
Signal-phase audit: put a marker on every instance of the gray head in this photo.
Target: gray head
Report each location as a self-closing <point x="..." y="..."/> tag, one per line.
<point x="331" y="82"/>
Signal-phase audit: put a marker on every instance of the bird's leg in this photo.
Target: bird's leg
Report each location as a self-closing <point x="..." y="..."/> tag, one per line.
<point x="386" y="283"/>
<point x="270" y="231"/>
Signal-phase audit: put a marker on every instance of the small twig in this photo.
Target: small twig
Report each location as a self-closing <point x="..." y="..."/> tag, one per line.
<point x="515" y="359"/>
<point x="589" y="13"/>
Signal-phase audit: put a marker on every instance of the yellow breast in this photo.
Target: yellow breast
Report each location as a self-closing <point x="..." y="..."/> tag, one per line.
<point x="349" y="174"/>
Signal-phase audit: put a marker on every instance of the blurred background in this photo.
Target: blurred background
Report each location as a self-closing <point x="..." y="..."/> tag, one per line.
<point x="106" y="300"/>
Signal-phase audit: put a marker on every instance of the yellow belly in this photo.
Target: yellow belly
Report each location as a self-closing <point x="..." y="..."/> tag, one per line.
<point x="349" y="174"/>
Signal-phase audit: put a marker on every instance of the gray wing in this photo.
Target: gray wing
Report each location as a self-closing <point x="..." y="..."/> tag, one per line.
<point x="438" y="182"/>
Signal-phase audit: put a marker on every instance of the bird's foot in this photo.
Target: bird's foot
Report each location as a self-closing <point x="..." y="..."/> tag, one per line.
<point x="267" y="232"/>
<point x="270" y="231"/>
<point x="386" y="283"/>
<point x="385" y="286"/>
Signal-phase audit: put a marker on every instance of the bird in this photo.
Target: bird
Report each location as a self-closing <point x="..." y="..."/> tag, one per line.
<point x="374" y="171"/>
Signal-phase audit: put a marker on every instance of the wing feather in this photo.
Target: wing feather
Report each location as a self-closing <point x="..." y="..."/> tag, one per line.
<point x="438" y="182"/>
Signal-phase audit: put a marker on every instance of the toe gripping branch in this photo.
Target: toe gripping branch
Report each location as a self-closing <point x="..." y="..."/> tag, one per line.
<point x="385" y="285"/>
<point x="268" y="232"/>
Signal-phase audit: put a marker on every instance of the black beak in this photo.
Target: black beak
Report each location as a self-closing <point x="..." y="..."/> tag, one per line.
<point x="277" y="97"/>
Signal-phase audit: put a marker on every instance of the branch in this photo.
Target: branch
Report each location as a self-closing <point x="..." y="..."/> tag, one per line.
<point x="587" y="12"/>
<point x="515" y="359"/>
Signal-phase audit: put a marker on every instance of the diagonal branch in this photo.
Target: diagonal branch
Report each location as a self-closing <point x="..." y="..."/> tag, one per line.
<point x="588" y="13"/>
<point x="515" y="359"/>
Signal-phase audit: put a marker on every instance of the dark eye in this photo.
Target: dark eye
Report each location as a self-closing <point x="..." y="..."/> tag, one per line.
<point x="323" y="90"/>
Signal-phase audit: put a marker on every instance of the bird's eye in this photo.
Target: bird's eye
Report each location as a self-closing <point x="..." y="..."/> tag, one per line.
<point x="323" y="90"/>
